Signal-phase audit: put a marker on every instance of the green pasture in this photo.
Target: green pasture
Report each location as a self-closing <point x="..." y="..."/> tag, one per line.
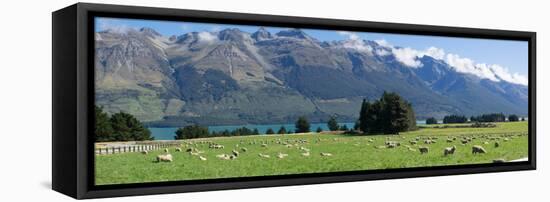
<point x="349" y="153"/>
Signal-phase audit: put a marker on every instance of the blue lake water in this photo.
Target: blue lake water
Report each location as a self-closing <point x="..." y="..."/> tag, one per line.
<point x="169" y="133"/>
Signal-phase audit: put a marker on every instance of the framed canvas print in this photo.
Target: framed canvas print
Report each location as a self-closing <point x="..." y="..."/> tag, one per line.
<point x="154" y="100"/>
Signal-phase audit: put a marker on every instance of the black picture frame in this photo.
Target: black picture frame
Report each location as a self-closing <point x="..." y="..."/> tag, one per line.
<point x="73" y="98"/>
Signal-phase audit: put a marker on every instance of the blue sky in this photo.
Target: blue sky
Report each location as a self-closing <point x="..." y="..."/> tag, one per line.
<point x="512" y="55"/>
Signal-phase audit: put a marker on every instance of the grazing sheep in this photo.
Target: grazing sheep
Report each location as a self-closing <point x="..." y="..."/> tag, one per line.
<point x="202" y="158"/>
<point x="263" y="155"/>
<point x="423" y="150"/>
<point x="244" y="149"/>
<point x="223" y="156"/>
<point x="189" y="150"/>
<point x="371" y="140"/>
<point x="485" y="142"/>
<point x="464" y="141"/>
<point x="232" y="157"/>
<point x="428" y="141"/>
<point x="499" y="161"/>
<point x="389" y="146"/>
<point x="281" y="155"/>
<point x="178" y="149"/>
<point x="478" y="149"/>
<point x="506" y="139"/>
<point x="326" y="154"/>
<point x="305" y="154"/>
<point x="166" y="150"/>
<point x="236" y="153"/>
<point x="164" y="158"/>
<point x="144" y="152"/>
<point x="497" y="144"/>
<point x="216" y="146"/>
<point x="412" y="142"/>
<point x="264" y="145"/>
<point x="449" y="140"/>
<point x="449" y="150"/>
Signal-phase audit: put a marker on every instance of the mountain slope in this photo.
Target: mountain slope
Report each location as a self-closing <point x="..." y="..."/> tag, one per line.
<point x="234" y="77"/>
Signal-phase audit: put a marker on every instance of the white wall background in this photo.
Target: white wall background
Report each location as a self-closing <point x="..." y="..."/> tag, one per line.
<point x="25" y="99"/>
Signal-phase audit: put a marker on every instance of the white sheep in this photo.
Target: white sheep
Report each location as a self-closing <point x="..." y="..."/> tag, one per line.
<point x="235" y="152"/>
<point x="449" y="150"/>
<point x="164" y="158"/>
<point x="244" y="149"/>
<point x="202" y="158"/>
<point x="178" y="149"/>
<point x="325" y="154"/>
<point x="144" y="152"/>
<point x="166" y="150"/>
<point x="423" y="150"/>
<point x="305" y="154"/>
<point x="263" y="155"/>
<point x="281" y="155"/>
<point x="478" y="149"/>
<point x="223" y="156"/>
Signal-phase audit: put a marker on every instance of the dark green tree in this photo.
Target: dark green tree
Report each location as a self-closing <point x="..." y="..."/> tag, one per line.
<point x="269" y="131"/>
<point x="395" y="114"/>
<point x="127" y="128"/>
<point x="513" y="118"/>
<point x="194" y="131"/>
<point x="344" y="127"/>
<point x="255" y="132"/>
<point x="319" y="129"/>
<point x="282" y="130"/>
<point x="302" y="125"/>
<point x="364" y="113"/>
<point x="431" y="120"/>
<point x="455" y="119"/>
<point x="103" y="129"/>
<point x="332" y="124"/>
<point x="411" y="116"/>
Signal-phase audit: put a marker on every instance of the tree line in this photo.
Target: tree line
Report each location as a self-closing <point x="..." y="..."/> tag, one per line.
<point x="492" y="117"/>
<point x="197" y="131"/>
<point x="120" y="126"/>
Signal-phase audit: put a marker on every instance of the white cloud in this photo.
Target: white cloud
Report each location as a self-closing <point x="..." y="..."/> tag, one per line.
<point x="355" y="42"/>
<point x="382" y="52"/>
<point x="383" y="43"/>
<point x="114" y="25"/>
<point x="504" y="74"/>
<point x="410" y="57"/>
<point x="207" y="37"/>
<point x="466" y="65"/>
<point x="407" y="56"/>
<point x="434" y="52"/>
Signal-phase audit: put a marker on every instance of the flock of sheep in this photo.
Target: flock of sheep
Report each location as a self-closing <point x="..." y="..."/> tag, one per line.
<point x="192" y="149"/>
<point x="417" y="144"/>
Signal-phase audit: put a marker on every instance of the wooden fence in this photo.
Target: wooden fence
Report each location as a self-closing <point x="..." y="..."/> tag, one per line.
<point x="133" y="148"/>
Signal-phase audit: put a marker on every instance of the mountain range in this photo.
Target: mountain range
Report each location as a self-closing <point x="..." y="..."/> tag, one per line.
<point x="235" y="77"/>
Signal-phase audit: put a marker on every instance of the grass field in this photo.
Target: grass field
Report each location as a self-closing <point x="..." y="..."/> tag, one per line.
<point x="349" y="153"/>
